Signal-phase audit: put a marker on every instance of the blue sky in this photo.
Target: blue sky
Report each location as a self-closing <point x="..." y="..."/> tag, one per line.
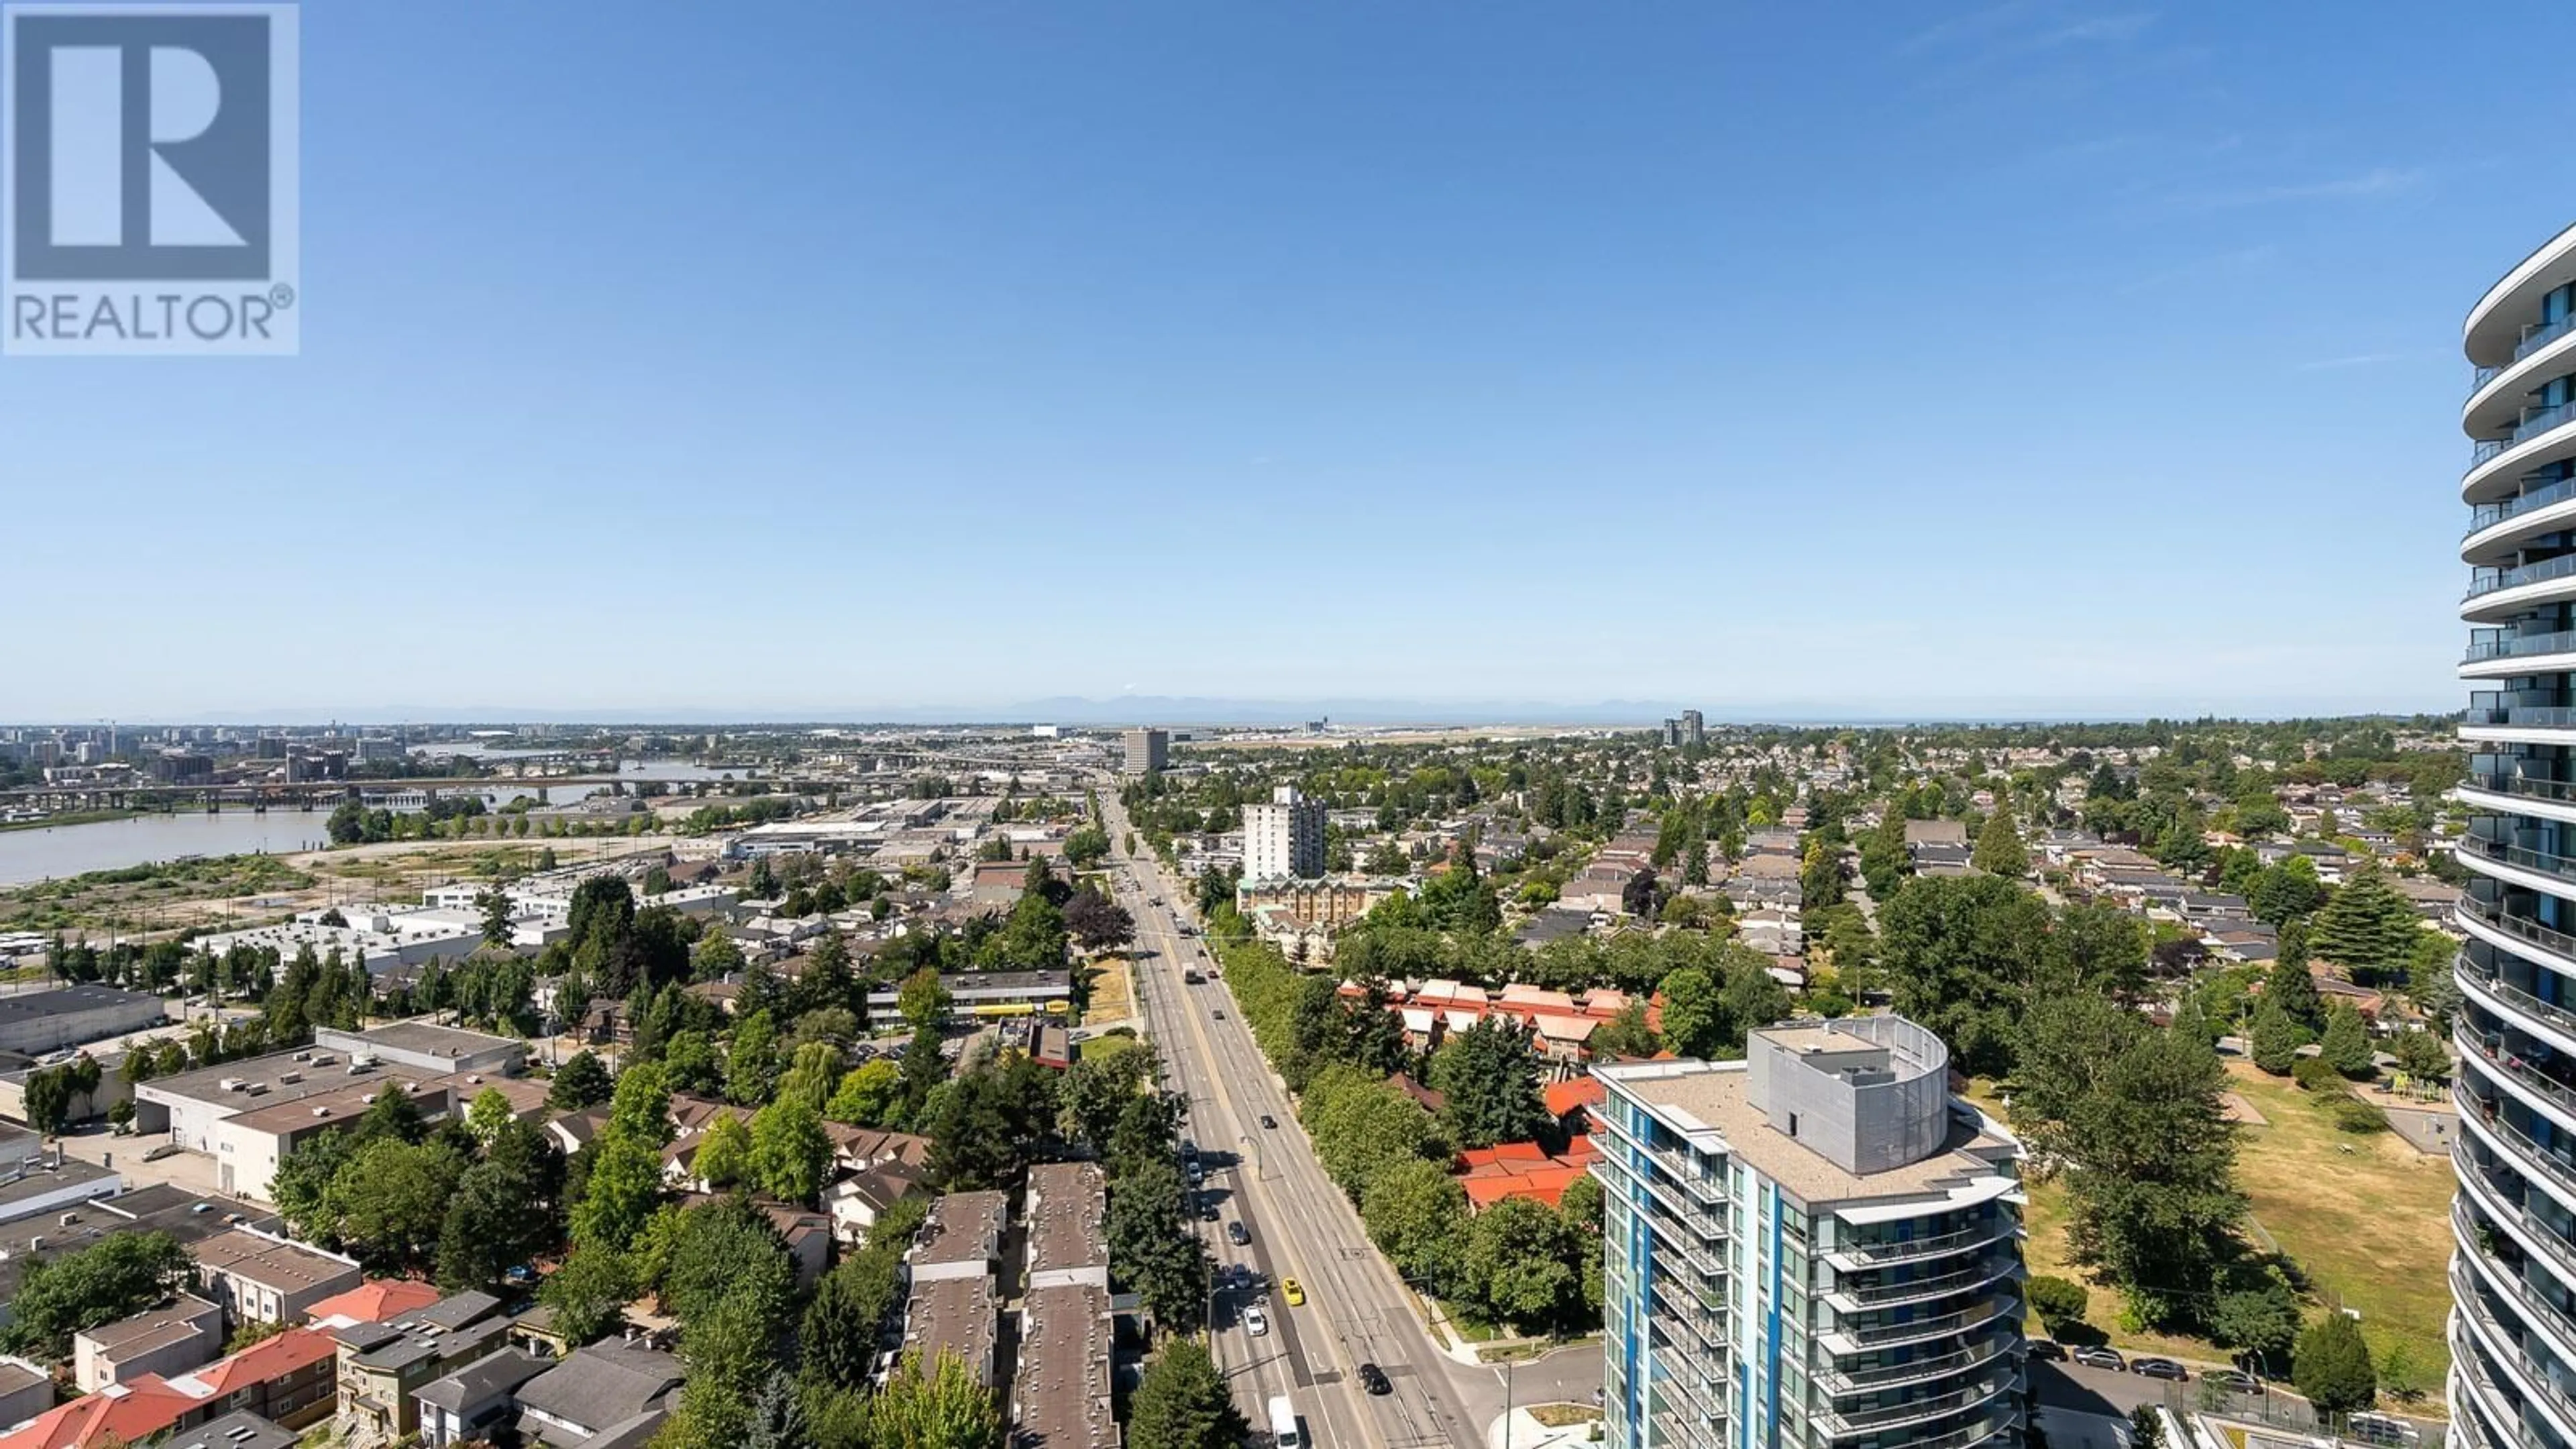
<point x="1871" y="358"/>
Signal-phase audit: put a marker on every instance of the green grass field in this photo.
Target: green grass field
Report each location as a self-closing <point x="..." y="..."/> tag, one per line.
<point x="2364" y="1216"/>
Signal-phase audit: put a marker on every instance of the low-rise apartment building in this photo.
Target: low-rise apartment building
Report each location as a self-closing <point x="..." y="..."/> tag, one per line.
<point x="168" y="1338"/>
<point x="262" y="1278"/>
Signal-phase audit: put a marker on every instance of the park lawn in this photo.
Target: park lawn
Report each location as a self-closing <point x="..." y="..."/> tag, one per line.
<point x="2369" y="1227"/>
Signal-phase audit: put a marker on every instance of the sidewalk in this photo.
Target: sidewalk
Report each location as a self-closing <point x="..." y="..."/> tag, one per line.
<point x="1520" y="1429"/>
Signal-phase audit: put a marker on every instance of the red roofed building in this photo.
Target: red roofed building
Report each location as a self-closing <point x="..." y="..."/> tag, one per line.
<point x="129" y="1413"/>
<point x="378" y="1300"/>
<point x="290" y="1379"/>
<point x="1572" y="1095"/>
<point x="1522" y="1169"/>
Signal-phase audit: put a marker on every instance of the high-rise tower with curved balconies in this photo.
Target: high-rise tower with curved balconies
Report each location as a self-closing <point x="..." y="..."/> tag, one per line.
<point x="2513" y="1276"/>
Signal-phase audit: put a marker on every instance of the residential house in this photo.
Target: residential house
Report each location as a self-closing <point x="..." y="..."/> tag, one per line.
<point x="475" y="1403"/>
<point x="602" y="1397"/>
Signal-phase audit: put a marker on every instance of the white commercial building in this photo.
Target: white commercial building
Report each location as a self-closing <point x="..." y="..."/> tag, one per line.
<point x="1283" y="837"/>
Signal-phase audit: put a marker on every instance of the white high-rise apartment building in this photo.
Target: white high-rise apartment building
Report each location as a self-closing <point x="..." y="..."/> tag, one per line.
<point x="1816" y="1246"/>
<point x="1283" y="836"/>
<point x="2513" y="1268"/>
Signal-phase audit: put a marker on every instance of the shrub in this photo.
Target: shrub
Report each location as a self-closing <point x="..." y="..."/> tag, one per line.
<point x="2057" y="1300"/>
<point x="2314" y="1074"/>
<point x="2351" y="1114"/>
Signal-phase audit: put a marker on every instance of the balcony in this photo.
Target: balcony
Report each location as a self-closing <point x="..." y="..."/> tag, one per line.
<point x="2550" y="1324"/>
<point x="1847" y="1339"/>
<point x="1976" y="1433"/>
<point x="2521" y="646"/>
<point x="2507" y="999"/>
<point x="2540" y="862"/>
<point x="2540" y="334"/>
<point x="2491" y="1199"/>
<point x="1915" y="1371"/>
<point x="2464" y="1358"/>
<point x="1857" y="1422"/>
<point x="2506" y="1348"/>
<point x="2538" y="717"/>
<point x="2511" y="1068"/>
<point x="2489" y="581"/>
<point x="2484" y="516"/>
<point x="2553" y="1319"/>
<point x="1866" y="1298"/>
<point x="1852" y="1257"/>
<point x="2521" y="929"/>
<point x="2512" y="1143"/>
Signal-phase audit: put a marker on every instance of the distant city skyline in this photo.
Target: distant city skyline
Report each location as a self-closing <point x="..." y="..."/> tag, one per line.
<point x="2031" y="359"/>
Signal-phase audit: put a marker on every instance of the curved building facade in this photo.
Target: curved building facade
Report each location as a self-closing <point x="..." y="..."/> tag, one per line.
<point x="1817" y="1247"/>
<point x="2513" y="1270"/>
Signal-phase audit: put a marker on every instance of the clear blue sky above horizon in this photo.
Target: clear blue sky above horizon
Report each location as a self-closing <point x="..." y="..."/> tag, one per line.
<point x="1873" y="358"/>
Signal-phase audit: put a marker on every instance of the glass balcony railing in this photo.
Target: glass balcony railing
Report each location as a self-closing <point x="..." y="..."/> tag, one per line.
<point x="2553" y="1317"/>
<point x="1851" y="1424"/>
<point x="2490" y="1051"/>
<point x="2464" y="1357"/>
<point x="2517" y="855"/>
<point x="2487" y="515"/>
<point x="1871" y="1296"/>
<point x="2489" y="581"/>
<point x="2482" y="977"/>
<point x="2529" y="717"/>
<point x="2496" y="918"/>
<point x="2542" y="334"/>
<point x="2495" y="1202"/>
<point x="2539" y="1315"/>
<point x="2518" y="1146"/>
<point x="2530" y="787"/>
<point x="1843" y="1383"/>
<point x="2484" y="449"/>
<point x="1879" y="1252"/>
<point x="1918" y="1330"/>
<point x="2541" y="420"/>
<point x="2508" y="1349"/>
<point x="2520" y="646"/>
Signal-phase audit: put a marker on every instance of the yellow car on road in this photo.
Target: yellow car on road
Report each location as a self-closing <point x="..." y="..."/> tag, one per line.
<point x="1289" y="1290"/>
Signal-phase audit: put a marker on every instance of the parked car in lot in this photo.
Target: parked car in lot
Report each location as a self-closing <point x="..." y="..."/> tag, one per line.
<point x="2233" y="1380"/>
<point x="2048" y="1348"/>
<point x="2160" y="1368"/>
<point x="1256" y="1322"/>
<point x="2388" y="1429"/>
<point x="2096" y="1356"/>
<point x="1373" y="1379"/>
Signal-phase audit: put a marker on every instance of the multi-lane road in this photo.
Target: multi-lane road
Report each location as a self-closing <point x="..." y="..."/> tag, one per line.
<point x="1299" y="1227"/>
